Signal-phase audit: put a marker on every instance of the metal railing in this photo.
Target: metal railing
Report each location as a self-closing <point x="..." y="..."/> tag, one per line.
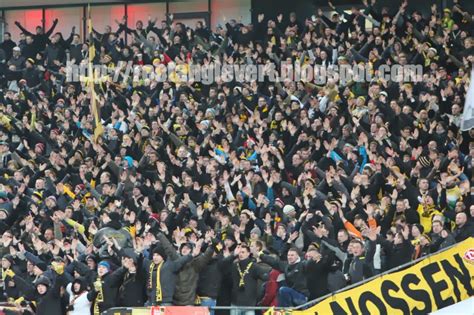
<point x="257" y="309"/>
<point x="128" y="311"/>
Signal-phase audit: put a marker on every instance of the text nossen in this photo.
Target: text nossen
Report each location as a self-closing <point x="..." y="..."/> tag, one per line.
<point x="410" y="295"/>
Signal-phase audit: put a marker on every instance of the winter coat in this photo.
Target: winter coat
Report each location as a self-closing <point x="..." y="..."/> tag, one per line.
<point x="131" y="292"/>
<point x="32" y="76"/>
<point x="466" y="231"/>
<point x="295" y="274"/>
<point x="80" y="304"/>
<point x="246" y="295"/>
<point x="75" y="52"/>
<point x="46" y="304"/>
<point x="271" y="289"/>
<point x="441" y="243"/>
<point x="398" y="254"/>
<point x="54" y="52"/>
<point x="317" y="276"/>
<point x="110" y="283"/>
<point x="210" y="278"/>
<point x="186" y="282"/>
<point x="361" y="267"/>
<point x="168" y="278"/>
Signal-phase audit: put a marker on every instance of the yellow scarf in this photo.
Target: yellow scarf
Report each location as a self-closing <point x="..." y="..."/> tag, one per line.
<point x="243" y="273"/>
<point x="100" y="296"/>
<point x="159" y="293"/>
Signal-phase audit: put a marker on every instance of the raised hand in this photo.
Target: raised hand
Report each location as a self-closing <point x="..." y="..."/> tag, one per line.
<point x="21" y="248"/>
<point x="237" y="250"/>
<point x="372" y="233"/>
<point x="92" y="228"/>
<point x="406" y="232"/>
<point x="294" y="236"/>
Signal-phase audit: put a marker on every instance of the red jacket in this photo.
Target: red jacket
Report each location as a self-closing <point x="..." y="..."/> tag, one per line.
<point x="271" y="289"/>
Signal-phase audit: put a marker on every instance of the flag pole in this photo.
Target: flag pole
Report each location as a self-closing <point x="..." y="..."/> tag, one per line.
<point x="99" y="129"/>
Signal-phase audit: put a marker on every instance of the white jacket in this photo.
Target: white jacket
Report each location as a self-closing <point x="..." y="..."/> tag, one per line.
<point x="82" y="306"/>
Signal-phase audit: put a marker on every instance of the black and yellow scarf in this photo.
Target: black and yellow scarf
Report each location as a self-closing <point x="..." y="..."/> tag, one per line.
<point x="242" y="274"/>
<point x="100" y="296"/>
<point x="159" y="293"/>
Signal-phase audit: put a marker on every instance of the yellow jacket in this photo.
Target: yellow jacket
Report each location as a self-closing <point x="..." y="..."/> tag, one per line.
<point x="426" y="216"/>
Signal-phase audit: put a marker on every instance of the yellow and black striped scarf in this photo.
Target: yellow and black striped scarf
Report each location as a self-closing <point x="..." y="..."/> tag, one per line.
<point x="100" y="296"/>
<point x="159" y="293"/>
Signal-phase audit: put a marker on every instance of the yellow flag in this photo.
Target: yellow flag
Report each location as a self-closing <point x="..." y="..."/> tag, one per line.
<point x="91" y="39"/>
<point x="99" y="129"/>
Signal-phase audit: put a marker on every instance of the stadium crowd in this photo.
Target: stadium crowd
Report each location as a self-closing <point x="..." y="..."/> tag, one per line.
<point x="254" y="193"/>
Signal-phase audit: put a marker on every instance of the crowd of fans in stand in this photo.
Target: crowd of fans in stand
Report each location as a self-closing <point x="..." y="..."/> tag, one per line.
<point x="245" y="194"/>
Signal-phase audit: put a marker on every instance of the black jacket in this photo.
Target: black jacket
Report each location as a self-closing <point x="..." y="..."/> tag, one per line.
<point x="461" y="234"/>
<point x="168" y="275"/>
<point x="6" y="290"/>
<point x="246" y="295"/>
<point x="54" y="52"/>
<point x="30" y="50"/>
<point x="295" y="274"/>
<point x="110" y="283"/>
<point x="210" y="278"/>
<point x="186" y="282"/>
<point x="48" y="303"/>
<point x="398" y="254"/>
<point x="75" y="52"/>
<point x="361" y="267"/>
<point x="41" y="40"/>
<point x="32" y="76"/>
<point x="131" y="292"/>
<point x="7" y="46"/>
<point x="317" y="276"/>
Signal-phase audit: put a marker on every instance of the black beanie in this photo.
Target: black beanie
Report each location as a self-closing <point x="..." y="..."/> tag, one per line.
<point x="159" y="249"/>
<point x="420" y="227"/>
<point x="9" y="258"/>
<point x="42" y="266"/>
<point x="44" y="281"/>
<point x="114" y="216"/>
<point x="188" y="244"/>
<point x="130" y="253"/>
